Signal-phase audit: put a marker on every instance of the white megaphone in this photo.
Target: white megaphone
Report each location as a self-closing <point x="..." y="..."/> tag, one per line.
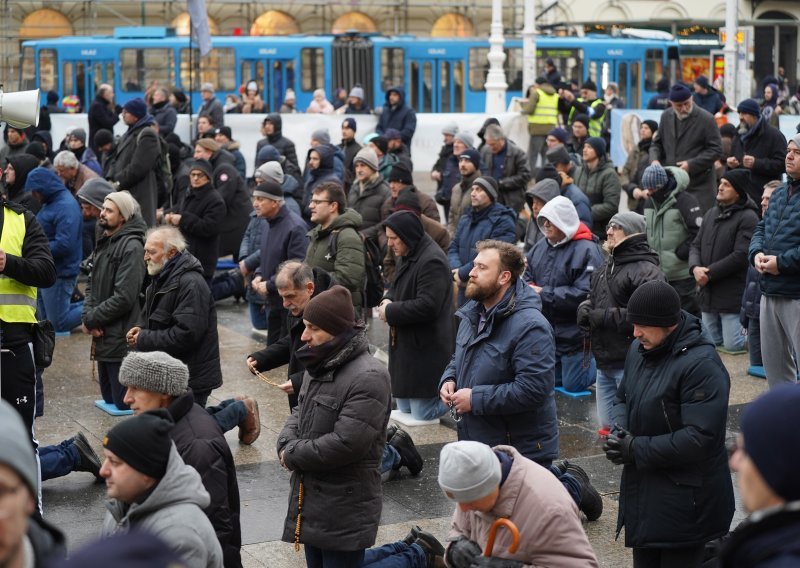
<point x="21" y="109"/>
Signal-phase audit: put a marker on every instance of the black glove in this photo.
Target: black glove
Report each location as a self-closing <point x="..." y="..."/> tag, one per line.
<point x="462" y="552"/>
<point x="489" y="562"/>
<point x="584" y="311"/>
<point x="619" y="446"/>
<point x="117" y="109"/>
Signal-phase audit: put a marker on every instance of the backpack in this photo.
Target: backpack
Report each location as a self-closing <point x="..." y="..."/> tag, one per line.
<point x="162" y="168"/>
<point x="373" y="268"/>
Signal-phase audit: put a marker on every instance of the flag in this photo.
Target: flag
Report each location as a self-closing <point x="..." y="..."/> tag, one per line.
<point x="200" y="32"/>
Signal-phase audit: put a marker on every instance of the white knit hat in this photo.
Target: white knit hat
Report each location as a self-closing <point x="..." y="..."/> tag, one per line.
<point x="468" y="471"/>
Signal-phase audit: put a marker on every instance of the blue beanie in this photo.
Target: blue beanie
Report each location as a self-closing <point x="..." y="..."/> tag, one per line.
<point x="749" y="106"/>
<point x="772" y="438"/>
<point x="679" y="93"/>
<point x="598" y="145"/>
<point x="137" y="107"/>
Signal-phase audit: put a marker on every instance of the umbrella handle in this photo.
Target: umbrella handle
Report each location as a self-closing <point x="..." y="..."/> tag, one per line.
<point x="511" y="527"/>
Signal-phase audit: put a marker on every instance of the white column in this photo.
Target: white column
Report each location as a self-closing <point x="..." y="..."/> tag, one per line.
<point x="496" y="79"/>
<point x="529" y="46"/>
<point x="730" y="51"/>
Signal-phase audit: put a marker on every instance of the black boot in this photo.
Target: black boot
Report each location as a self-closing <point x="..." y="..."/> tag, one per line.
<point x="432" y="548"/>
<point x="591" y="503"/>
<point x="409" y="456"/>
<point x="89" y="460"/>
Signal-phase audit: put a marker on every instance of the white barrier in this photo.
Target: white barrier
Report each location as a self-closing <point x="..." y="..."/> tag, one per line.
<point x="246" y="130"/>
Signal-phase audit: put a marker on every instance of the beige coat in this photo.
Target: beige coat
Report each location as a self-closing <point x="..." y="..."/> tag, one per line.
<point x="550" y="528"/>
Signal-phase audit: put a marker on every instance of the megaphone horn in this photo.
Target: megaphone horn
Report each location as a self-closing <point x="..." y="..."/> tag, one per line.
<point x="21" y="109"/>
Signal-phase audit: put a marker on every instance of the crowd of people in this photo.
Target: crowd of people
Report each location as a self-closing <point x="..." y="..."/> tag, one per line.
<point x="520" y="276"/>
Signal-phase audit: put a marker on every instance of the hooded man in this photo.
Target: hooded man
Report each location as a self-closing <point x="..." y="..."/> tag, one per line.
<point x="14" y="177"/>
<point x="271" y="129"/>
<point x="560" y="268"/>
<point x="418" y="309"/>
<point x="16" y="141"/>
<point x="398" y="115"/>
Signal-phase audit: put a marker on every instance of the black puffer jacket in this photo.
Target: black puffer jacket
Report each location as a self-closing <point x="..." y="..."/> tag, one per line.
<point x="367" y="199"/>
<point x="233" y="190"/>
<point x="179" y="318"/>
<point x="721" y="246"/>
<point x="283" y="145"/>
<point x="202" y="214"/>
<point x="768" y="539"/>
<point x="674" y="401"/>
<point x="630" y="264"/>
<point x="767" y="145"/>
<point x="135" y="164"/>
<point x="202" y="445"/>
<point x="332" y="443"/>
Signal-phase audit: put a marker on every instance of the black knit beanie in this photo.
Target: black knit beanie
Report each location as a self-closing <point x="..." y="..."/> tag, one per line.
<point x="143" y="442"/>
<point x="407" y="226"/>
<point x="332" y="311"/>
<point x="656" y="304"/>
<point x="739" y="179"/>
<point x="407" y="200"/>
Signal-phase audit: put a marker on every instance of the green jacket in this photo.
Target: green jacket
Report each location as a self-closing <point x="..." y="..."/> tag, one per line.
<point x="602" y="186"/>
<point x="347" y="265"/>
<point x="666" y="228"/>
<point x="112" y="291"/>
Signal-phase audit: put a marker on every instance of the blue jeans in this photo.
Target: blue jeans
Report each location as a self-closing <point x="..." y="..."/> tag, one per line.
<point x="54" y="305"/>
<point x="754" y="342"/>
<point x="318" y="558"/>
<point x="725" y="330"/>
<point x="390" y="459"/>
<point x="110" y="388"/>
<point x="572" y="375"/>
<point x="422" y="408"/>
<point x="258" y="315"/>
<point x="228" y="413"/>
<point x="607" y="383"/>
<point x="569" y="482"/>
<point x="395" y="555"/>
<point x="58" y="460"/>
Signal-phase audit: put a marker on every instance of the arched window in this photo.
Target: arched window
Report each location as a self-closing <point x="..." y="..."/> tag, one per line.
<point x="274" y="22"/>
<point x="357" y="21"/>
<point x="45" y="23"/>
<point x="452" y="25"/>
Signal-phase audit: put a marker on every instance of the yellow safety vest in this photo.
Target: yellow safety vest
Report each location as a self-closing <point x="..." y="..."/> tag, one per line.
<point x="546" y="111"/>
<point x="595" y="124"/>
<point x="17" y="300"/>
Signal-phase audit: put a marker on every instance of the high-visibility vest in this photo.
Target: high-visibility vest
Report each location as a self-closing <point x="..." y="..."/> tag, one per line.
<point x="595" y="124"/>
<point x="17" y="300"/>
<point x="546" y="111"/>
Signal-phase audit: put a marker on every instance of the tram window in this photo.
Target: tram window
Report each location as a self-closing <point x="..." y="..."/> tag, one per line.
<point x="48" y="70"/>
<point x="478" y="68"/>
<point x="513" y="68"/>
<point x="592" y="72"/>
<point x="636" y="88"/>
<point x="28" y="70"/>
<point x="110" y="71"/>
<point x="392" y="67"/>
<point x="444" y="85"/>
<point x="140" y="68"/>
<point x="622" y="82"/>
<point x="217" y="68"/>
<point x="66" y="71"/>
<point x="653" y="68"/>
<point x="312" y="63"/>
<point x="458" y="86"/>
<point x="568" y="61"/>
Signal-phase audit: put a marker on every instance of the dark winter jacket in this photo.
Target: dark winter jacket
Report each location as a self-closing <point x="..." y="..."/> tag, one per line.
<point x="332" y="443"/>
<point x="367" y="199"/>
<point x="282" y="144"/>
<point x="601" y="185"/>
<point x="426" y="203"/>
<point x="350" y="149"/>
<point x="420" y="318"/>
<point x="751" y="297"/>
<point x="674" y="400"/>
<point x="696" y="140"/>
<point x="778" y="233"/>
<point x="283" y="351"/>
<point x="564" y="273"/>
<point x="460" y="200"/>
<point x="495" y="221"/>
<point x="202" y="212"/>
<point x="60" y="218"/>
<point x="179" y="318"/>
<point x="347" y="267"/>
<point x="135" y="164"/>
<point x="202" y="445"/>
<point x="766" y="539"/>
<point x="166" y="116"/>
<point x="767" y="145"/>
<point x="630" y="264"/>
<point x="710" y="102"/>
<point x="250" y="253"/>
<point x="48" y="542"/>
<point x="23" y="165"/>
<point x="721" y="246"/>
<point x="233" y="190"/>
<point x="213" y="109"/>
<point x="401" y="117"/>
<point x="510" y="367"/>
<point x="283" y="239"/>
<point x="512" y="176"/>
<point x="101" y="115"/>
<point x="112" y="291"/>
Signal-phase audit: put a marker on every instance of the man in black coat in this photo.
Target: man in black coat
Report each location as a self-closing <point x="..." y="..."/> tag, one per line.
<point x="272" y="129"/>
<point x="759" y="147"/>
<point x="718" y="259"/>
<point x="178" y="315"/>
<point x="669" y="419"/>
<point x="102" y="113"/>
<point x="157" y="380"/>
<point x="418" y="310"/>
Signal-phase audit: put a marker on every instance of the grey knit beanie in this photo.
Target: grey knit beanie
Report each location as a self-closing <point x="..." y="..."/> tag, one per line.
<point x="270" y="171"/>
<point x="468" y="471"/>
<point x="154" y="371"/>
<point x="368" y="157"/>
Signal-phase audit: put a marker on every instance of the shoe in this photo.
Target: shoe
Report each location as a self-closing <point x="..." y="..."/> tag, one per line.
<point x="250" y="427"/>
<point x="412" y="535"/>
<point x="432" y="548"/>
<point x="409" y="456"/>
<point x="721" y="349"/>
<point x="757" y="371"/>
<point x="591" y="502"/>
<point x="390" y="432"/>
<point x="89" y="460"/>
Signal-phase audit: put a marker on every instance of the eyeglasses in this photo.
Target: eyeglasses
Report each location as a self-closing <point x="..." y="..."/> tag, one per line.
<point x="197" y="175"/>
<point x="613" y="227"/>
<point x="318" y="201"/>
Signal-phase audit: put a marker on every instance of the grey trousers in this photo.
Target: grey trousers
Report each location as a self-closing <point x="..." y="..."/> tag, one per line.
<point x="780" y="338"/>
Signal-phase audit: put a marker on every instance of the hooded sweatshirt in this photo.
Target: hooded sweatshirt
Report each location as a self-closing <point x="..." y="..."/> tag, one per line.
<point x="23" y="164"/>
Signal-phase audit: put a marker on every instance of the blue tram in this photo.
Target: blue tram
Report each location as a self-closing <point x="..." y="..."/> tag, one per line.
<point x="438" y="74"/>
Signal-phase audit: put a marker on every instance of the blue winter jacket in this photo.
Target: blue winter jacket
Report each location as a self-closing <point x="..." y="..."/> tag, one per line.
<point x="510" y="366"/>
<point x="60" y="217"/>
<point x="402" y="117"/>
<point x="564" y="272"/>
<point x="284" y="238"/>
<point x="494" y="222"/>
<point x="778" y="233"/>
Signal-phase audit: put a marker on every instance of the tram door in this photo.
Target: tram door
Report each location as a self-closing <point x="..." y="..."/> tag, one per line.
<point x="626" y="73"/>
<point x="82" y="78"/>
<point x="436" y="85"/>
<point x="273" y="76"/>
